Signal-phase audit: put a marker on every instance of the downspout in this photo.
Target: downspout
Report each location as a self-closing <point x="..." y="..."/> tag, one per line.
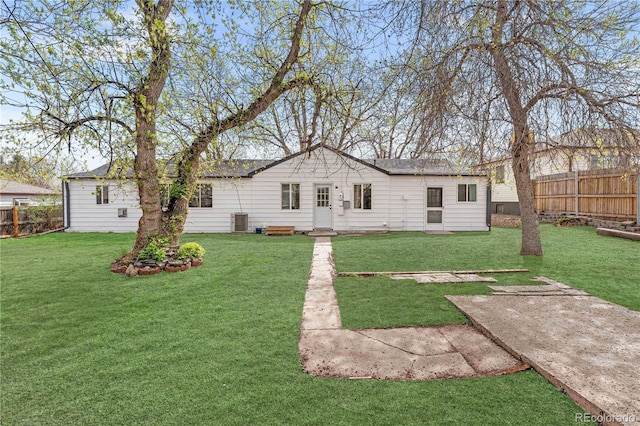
<point x="66" y="216"/>
<point x="638" y="199"/>
<point x="488" y="213"/>
<point x="66" y="207"/>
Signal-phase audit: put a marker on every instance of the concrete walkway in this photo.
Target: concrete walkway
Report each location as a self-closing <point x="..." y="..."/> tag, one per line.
<point x="410" y="353"/>
<point x="585" y="346"/>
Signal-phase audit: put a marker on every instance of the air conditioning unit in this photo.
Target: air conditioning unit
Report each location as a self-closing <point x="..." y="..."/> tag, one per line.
<point x="239" y="222"/>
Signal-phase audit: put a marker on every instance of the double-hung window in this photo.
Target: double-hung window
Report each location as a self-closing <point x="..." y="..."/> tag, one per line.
<point x="202" y="196"/>
<point x="102" y="194"/>
<point x="467" y="192"/>
<point x="290" y="196"/>
<point x="500" y="174"/>
<point x="362" y="196"/>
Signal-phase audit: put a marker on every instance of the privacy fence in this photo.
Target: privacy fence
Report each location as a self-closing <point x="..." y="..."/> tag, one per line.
<point x="25" y="220"/>
<point x="603" y="194"/>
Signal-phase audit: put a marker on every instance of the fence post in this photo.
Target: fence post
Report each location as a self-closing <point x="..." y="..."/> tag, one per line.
<point x="16" y="222"/>
<point x="577" y="186"/>
<point x="638" y="198"/>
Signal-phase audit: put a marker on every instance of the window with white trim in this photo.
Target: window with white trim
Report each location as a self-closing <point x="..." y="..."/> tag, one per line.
<point x="362" y="196"/>
<point x="500" y="174"/>
<point x="467" y="192"/>
<point x="102" y="194"/>
<point x="202" y="196"/>
<point x="290" y="196"/>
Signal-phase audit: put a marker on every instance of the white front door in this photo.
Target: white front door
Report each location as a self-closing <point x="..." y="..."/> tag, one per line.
<point x="322" y="207"/>
<point x="434" y="214"/>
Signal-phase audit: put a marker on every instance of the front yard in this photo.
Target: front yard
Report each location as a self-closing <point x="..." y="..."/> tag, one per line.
<point x="218" y="344"/>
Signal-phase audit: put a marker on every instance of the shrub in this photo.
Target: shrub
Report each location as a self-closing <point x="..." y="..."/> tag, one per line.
<point x="154" y="250"/>
<point x="190" y="250"/>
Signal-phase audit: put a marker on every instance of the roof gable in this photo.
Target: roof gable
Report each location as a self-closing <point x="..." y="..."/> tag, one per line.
<point x="314" y="148"/>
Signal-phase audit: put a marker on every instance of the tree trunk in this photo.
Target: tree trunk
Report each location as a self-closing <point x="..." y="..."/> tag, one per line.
<point x="145" y="101"/>
<point x="522" y="144"/>
<point x="531" y="242"/>
<point x="173" y="219"/>
<point x="146" y="177"/>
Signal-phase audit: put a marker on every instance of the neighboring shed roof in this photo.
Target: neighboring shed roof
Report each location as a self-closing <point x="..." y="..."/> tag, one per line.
<point x="19" y="188"/>
<point x="248" y="168"/>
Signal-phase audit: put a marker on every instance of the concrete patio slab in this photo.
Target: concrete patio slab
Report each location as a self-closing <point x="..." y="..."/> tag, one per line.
<point x="587" y="347"/>
<point x="321" y="318"/>
<point x="482" y="354"/>
<point x="442" y="277"/>
<point x="553" y="288"/>
<point x="423" y="341"/>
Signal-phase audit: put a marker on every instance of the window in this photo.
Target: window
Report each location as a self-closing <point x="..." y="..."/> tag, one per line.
<point x="434" y="205"/>
<point x="202" y="196"/>
<point x="290" y="196"/>
<point x="102" y="194"/>
<point x="601" y="161"/>
<point x="500" y="174"/>
<point x="322" y="196"/>
<point x="467" y="192"/>
<point x="362" y="196"/>
<point x="434" y="197"/>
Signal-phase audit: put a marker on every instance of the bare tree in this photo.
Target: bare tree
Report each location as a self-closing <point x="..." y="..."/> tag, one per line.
<point x="526" y="68"/>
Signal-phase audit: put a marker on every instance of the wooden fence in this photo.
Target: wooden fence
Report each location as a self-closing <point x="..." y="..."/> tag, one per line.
<point x="604" y="194"/>
<point x="25" y="220"/>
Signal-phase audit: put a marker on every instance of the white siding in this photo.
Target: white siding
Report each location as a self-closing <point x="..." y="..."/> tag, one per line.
<point x="456" y="215"/>
<point x="398" y="202"/>
<point x="322" y="167"/>
<point x="506" y="191"/>
<point x="229" y="196"/>
<point x="88" y="216"/>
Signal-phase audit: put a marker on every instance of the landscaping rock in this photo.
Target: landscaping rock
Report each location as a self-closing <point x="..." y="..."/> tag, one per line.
<point x="149" y="270"/>
<point x="175" y="268"/>
<point x="118" y="268"/>
<point x="131" y="271"/>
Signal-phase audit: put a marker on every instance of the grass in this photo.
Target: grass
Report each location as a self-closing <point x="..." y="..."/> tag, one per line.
<point x="215" y="344"/>
<point x="606" y="267"/>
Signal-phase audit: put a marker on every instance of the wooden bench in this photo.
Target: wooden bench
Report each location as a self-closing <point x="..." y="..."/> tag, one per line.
<point x="280" y="230"/>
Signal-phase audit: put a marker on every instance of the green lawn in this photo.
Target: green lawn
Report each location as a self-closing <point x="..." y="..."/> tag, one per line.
<point x="606" y="267"/>
<point x="218" y="344"/>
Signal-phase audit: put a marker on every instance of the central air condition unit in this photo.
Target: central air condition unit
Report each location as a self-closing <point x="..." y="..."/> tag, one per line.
<point x="239" y="222"/>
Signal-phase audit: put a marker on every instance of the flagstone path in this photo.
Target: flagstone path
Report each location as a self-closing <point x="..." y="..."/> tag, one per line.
<point x="410" y="353"/>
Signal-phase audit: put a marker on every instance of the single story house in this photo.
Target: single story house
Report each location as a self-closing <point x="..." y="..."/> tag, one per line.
<point x="22" y="194"/>
<point x="321" y="188"/>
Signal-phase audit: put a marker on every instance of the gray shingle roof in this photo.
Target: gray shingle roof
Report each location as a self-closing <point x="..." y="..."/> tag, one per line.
<point x="11" y="187"/>
<point x="247" y="168"/>
<point x="414" y="166"/>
